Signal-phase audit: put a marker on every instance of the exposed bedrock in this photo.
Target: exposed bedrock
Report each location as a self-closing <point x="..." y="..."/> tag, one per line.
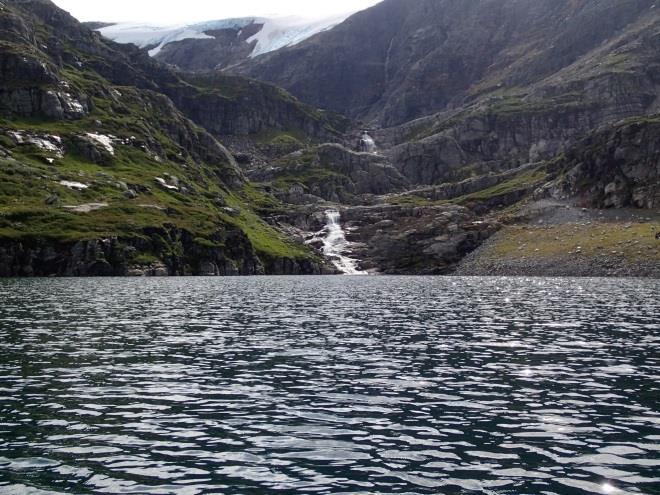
<point x="414" y="240"/>
<point x="161" y="252"/>
<point x="614" y="168"/>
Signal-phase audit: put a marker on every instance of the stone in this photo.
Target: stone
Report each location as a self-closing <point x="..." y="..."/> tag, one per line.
<point x="208" y="269"/>
<point x="242" y="158"/>
<point x="90" y="150"/>
<point x="234" y="212"/>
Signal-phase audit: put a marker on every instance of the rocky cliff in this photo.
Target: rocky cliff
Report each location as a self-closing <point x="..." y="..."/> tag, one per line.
<point x="616" y="167"/>
<point x="425" y="240"/>
<point x="331" y="172"/>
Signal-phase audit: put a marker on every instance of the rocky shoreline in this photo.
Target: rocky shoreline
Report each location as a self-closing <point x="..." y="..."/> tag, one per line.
<point x="545" y="238"/>
<point x="559" y="240"/>
<point x="482" y="265"/>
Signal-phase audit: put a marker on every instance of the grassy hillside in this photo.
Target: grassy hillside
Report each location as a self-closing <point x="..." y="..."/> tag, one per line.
<point x="83" y="158"/>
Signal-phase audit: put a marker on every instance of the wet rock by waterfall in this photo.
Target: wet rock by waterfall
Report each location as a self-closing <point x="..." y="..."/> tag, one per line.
<point x="335" y="245"/>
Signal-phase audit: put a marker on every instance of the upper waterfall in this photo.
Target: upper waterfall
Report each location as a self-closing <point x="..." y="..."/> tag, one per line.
<point x="367" y="143"/>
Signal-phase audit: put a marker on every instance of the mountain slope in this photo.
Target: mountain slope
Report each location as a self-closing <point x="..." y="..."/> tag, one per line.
<point x="101" y="174"/>
<point x="68" y="42"/>
<point x="401" y="60"/>
<point x="520" y="124"/>
<point x="545" y="101"/>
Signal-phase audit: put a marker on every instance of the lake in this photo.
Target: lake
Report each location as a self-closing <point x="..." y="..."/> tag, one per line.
<point x="330" y="385"/>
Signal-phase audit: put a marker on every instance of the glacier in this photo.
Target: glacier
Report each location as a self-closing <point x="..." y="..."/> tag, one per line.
<point x="144" y="35"/>
<point x="276" y="33"/>
<point x="279" y="32"/>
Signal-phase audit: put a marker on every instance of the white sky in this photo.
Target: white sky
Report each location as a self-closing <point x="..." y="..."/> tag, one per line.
<point x="167" y="12"/>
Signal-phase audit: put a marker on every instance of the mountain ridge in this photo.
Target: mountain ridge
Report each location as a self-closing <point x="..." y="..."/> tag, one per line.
<point x="403" y="60"/>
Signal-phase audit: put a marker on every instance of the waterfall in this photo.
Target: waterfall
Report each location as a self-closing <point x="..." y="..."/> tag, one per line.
<point x="368" y="143"/>
<point x="335" y="245"/>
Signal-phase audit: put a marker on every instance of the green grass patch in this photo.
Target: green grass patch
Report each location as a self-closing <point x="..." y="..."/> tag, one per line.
<point x="266" y="240"/>
<point x="524" y="181"/>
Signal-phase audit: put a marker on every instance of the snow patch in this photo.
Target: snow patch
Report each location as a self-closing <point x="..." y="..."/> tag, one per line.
<point x="72" y="105"/>
<point x="79" y="186"/>
<point x="45" y="142"/>
<point x="163" y="183"/>
<point x="87" y="207"/>
<point x="69" y="103"/>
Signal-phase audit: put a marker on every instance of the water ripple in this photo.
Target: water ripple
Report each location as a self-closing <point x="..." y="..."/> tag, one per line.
<point x="330" y="385"/>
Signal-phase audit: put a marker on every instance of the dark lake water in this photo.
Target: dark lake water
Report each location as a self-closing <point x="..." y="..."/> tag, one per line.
<point x="330" y="385"/>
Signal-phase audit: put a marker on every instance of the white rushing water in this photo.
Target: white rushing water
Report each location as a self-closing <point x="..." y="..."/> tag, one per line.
<point x="335" y="245"/>
<point x="368" y="143"/>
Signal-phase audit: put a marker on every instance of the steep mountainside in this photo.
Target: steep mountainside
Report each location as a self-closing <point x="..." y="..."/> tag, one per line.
<point x="521" y="124"/>
<point x="100" y="173"/>
<point x="401" y="59"/>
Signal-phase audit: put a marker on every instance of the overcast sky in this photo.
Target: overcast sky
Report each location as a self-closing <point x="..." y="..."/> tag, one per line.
<point x="161" y="12"/>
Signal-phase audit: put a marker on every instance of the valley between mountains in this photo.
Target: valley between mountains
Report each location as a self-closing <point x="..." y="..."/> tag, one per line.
<point x="430" y="137"/>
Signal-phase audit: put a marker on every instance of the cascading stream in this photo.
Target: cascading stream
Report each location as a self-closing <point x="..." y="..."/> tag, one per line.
<point x="335" y="245"/>
<point x="368" y="143"/>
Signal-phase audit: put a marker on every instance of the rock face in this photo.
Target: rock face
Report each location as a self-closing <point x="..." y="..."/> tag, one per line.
<point x="401" y="59"/>
<point x="451" y="190"/>
<point x="225" y="48"/>
<point x="30" y="82"/>
<point x="175" y="252"/>
<point x="243" y="108"/>
<point x="414" y="240"/>
<point x="31" y="87"/>
<point x="333" y="173"/>
<point x="496" y="135"/>
<point x="369" y="173"/>
<point x="113" y="257"/>
<point x="615" y="168"/>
